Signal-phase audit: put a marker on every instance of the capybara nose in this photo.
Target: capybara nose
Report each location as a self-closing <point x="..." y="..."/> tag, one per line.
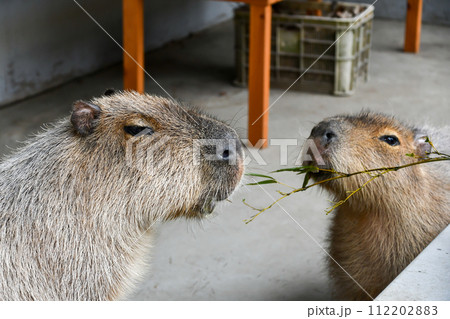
<point x="323" y="133"/>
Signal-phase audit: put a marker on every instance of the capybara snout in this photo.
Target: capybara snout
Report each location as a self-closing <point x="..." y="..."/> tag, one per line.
<point x="325" y="133"/>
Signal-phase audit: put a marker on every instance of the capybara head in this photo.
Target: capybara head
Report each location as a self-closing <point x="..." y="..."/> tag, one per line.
<point x="352" y="143"/>
<point x="179" y="161"/>
<point x="389" y="216"/>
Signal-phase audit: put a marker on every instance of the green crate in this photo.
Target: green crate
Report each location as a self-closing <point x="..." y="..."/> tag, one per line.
<point x="299" y="39"/>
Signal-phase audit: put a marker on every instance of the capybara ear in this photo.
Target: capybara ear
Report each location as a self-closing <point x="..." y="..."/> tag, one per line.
<point x="423" y="147"/>
<point x="83" y="117"/>
<point x="110" y="92"/>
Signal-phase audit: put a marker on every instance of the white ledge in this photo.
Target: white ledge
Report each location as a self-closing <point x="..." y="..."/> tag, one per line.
<point x="428" y="275"/>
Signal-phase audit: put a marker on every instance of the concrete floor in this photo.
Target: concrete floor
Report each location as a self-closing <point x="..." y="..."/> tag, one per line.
<point x="272" y="258"/>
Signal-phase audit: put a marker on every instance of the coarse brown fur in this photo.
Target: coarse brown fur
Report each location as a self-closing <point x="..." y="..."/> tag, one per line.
<point x="383" y="227"/>
<point x="79" y="201"/>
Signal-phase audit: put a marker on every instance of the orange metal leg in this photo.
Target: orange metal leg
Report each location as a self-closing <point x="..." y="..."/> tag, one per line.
<point x="259" y="73"/>
<point x="413" y="26"/>
<point x="315" y="12"/>
<point x="133" y="43"/>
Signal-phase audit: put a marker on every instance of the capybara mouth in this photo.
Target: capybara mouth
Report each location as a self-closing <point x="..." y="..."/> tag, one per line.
<point x="199" y="210"/>
<point x="208" y="207"/>
<point x="320" y="174"/>
<point x="223" y="195"/>
<point x="210" y="204"/>
<point x="323" y="164"/>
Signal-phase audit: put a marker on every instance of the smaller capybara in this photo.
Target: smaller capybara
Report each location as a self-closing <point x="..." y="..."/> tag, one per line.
<point x="79" y="202"/>
<point x="383" y="227"/>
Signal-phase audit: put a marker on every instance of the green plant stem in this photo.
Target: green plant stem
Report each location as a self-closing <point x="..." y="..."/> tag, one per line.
<point x="382" y="171"/>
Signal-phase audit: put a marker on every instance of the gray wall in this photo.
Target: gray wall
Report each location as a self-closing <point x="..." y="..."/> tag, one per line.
<point x="434" y="11"/>
<point x="47" y="42"/>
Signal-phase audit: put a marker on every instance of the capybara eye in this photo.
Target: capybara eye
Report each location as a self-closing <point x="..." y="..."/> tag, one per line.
<point x="392" y="140"/>
<point x="138" y="130"/>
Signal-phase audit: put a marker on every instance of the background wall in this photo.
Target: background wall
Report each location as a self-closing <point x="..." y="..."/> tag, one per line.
<point x="47" y="42"/>
<point x="434" y="11"/>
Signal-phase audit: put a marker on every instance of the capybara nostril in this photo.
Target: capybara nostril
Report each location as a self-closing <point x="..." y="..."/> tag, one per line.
<point x="229" y="147"/>
<point x="329" y="136"/>
<point x="229" y="151"/>
<point x="225" y="150"/>
<point x="226" y="155"/>
<point x="324" y="132"/>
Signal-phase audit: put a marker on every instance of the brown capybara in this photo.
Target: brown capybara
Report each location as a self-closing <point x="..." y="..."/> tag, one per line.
<point x="383" y="227"/>
<point x="79" y="201"/>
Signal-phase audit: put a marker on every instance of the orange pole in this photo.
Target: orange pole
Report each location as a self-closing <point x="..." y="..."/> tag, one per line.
<point x="259" y="73"/>
<point x="315" y="12"/>
<point x="133" y="44"/>
<point x="413" y="26"/>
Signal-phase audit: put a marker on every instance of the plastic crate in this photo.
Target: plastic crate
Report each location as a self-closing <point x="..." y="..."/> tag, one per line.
<point x="298" y="39"/>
